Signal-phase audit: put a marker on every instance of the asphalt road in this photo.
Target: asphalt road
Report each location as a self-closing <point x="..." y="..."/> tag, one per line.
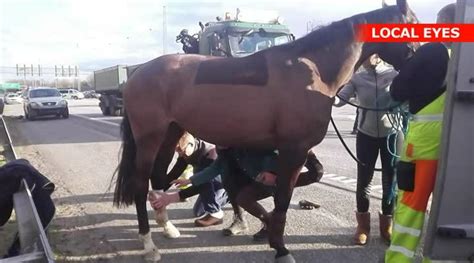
<point x="80" y="155"/>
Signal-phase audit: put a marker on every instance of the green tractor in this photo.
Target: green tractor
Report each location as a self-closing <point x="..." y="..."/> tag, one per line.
<point x="234" y="38"/>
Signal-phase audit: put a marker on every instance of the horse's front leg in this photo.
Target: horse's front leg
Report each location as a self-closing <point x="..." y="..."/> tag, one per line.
<point x="289" y="165"/>
<point x="144" y="233"/>
<point x="159" y="177"/>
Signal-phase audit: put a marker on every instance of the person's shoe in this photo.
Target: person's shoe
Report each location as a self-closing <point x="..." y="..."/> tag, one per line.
<point x="261" y="235"/>
<point x="238" y="226"/>
<point x="208" y="220"/>
<point x="363" y="228"/>
<point x="385" y="225"/>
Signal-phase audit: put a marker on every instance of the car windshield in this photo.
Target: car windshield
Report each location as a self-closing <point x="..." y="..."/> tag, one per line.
<point x="44" y="93"/>
<point x="246" y="43"/>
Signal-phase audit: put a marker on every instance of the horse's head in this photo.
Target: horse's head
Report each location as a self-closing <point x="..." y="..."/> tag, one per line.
<point x="395" y="54"/>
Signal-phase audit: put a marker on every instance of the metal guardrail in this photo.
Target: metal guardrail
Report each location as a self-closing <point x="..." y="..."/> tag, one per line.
<point x="10" y="143"/>
<point x="34" y="243"/>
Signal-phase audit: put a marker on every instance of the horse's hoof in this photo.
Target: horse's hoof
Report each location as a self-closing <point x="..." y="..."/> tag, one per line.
<point x="153" y="255"/>
<point x="285" y="259"/>
<point x="170" y="231"/>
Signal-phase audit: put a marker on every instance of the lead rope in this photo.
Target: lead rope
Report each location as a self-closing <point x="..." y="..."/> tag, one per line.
<point x="400" y="124"/>
<point x="347" y="148"/>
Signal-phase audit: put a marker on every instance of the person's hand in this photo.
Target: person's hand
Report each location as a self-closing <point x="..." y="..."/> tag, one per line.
<point x="180" y="182"/>
<point x="266" y="178"/>
<point x="159" y="200"/>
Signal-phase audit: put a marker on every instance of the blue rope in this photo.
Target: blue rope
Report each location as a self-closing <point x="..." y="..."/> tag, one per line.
<point x="399" y="124"/>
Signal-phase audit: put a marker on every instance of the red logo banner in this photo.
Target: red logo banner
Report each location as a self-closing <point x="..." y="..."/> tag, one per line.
<point x="416" y="32"/>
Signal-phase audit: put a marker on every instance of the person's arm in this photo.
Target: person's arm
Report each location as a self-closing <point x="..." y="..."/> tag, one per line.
<point x="269" y="166"/>
<point x="345" y="94"/>
<point x="178" y="169"/>
<point x="424" y="72"/>
<point x="384" y="100"/>
<point x="207" y="173"/>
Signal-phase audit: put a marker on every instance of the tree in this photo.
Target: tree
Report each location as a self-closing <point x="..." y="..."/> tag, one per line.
<point x="90" y="80"/>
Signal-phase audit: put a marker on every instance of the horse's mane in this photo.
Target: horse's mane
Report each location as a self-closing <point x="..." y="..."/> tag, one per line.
<point x="343" y="30"/>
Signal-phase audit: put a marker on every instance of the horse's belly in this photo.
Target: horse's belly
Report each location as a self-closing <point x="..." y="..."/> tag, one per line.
<point x="230" y="122"/>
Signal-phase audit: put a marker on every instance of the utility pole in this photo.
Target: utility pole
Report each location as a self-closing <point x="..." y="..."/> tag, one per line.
<point x="24" y="75"/>
<point x="77" y="78"/>
<point x="164" y="30"/>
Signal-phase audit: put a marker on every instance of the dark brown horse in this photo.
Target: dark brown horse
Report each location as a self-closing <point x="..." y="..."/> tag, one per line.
<point x="279" y="98"/>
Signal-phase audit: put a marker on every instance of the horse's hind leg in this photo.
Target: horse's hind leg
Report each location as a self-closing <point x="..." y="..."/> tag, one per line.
<point x="289" y="164"/>
<point x="159" y="180"/>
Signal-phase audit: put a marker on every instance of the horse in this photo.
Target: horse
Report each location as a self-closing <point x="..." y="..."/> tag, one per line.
<point x="279" y="98"/>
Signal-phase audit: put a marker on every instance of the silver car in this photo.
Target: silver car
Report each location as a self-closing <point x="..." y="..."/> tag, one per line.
<point x="45" y="101"/>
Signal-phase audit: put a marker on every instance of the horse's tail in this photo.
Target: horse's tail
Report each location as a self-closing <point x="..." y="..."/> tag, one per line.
<point x="124" y="187"/>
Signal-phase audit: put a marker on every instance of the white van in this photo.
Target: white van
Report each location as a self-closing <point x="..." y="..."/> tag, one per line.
<point x="71" y="94"/>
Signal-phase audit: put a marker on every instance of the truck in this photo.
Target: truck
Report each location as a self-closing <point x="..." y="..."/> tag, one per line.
<point x="226" y="37"/>
<point x="109" y="83"/>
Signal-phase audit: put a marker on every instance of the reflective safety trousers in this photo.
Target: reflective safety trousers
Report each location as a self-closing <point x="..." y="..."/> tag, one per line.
<point x="421" y="147"/>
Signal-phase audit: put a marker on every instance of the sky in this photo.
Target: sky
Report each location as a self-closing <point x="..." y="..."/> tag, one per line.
<point x="95" y="34"/>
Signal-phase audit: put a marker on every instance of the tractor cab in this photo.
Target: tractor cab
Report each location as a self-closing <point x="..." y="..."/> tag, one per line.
<point x="234" y="37"/>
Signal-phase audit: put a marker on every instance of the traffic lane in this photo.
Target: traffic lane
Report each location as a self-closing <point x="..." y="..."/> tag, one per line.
<point x="53" y="130"/>
<point x="89" y="109"/>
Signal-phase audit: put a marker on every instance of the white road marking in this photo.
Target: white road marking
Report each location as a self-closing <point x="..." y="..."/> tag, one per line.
<point x="344" y="116"/>
<point x="376" y="187"/>
<point x="98" y="120"/>
<point x="350" y="182"/>
<point x="339" y="178"/>
<point x="329" y="175"/>
<point x="106" y="118"/>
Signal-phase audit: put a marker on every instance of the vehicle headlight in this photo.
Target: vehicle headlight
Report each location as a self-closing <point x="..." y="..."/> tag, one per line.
<point x="34" y="104"/>
<point x="62" y="102"/>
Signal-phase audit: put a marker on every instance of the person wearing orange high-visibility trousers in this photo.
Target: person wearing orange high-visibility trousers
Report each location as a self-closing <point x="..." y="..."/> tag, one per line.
<point x="421" y="82"/>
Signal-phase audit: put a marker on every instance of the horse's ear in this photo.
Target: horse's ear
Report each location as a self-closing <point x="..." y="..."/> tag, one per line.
<point x="403" y="6"/>
<point x="384" y="4"/>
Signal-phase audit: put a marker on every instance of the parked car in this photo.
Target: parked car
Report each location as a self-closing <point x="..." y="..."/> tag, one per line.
<point x="44" y="101"/>
<point x="13" y="98"/>
<point x="91" y="94"/>
<point x="71" y="94"/>
<point x="2" y="105"/>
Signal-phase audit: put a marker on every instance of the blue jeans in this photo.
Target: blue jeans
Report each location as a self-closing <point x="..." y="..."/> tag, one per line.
<point x="208" y="204"/>
<point x="212" y="196"/>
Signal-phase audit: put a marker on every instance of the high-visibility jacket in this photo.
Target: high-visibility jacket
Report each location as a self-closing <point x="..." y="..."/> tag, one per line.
<point x="424" y="132"/>
<point x="421" y="147"/>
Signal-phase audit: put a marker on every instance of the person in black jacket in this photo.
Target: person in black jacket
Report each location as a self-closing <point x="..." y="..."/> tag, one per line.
<point x="422" y="83"/>
<point x="11" y="175"/>
<point x="212" y="196"/>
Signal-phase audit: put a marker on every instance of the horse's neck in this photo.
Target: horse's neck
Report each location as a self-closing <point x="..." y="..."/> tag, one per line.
<point x="334" y="62"/>
<point x="333" y="52"/>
